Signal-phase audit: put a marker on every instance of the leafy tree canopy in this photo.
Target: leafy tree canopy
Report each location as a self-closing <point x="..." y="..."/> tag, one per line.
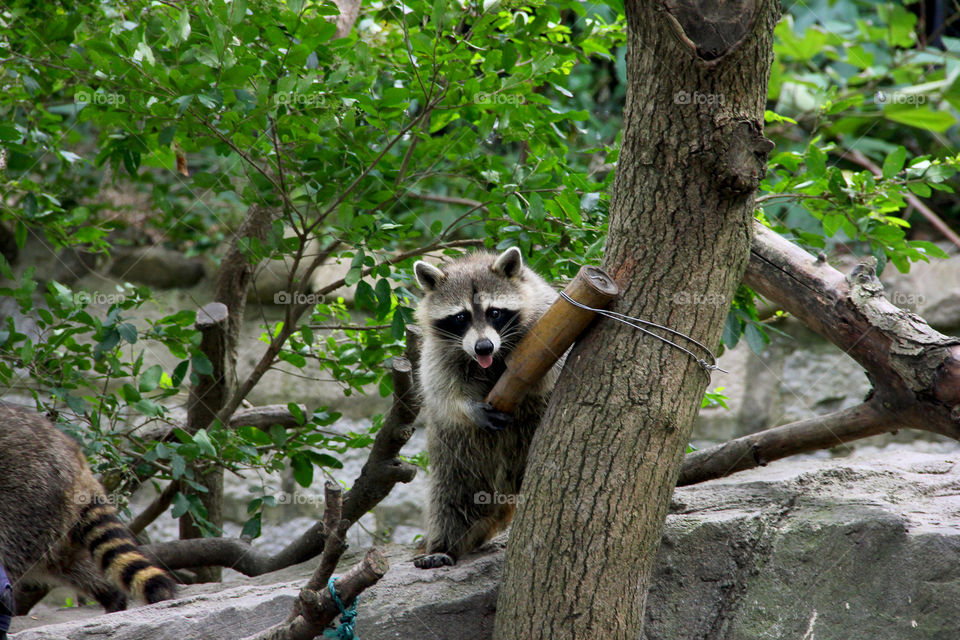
<point x="428" y="126"/>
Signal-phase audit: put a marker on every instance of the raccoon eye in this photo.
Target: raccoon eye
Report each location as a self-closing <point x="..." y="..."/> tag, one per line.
<point x="461" y="317"/>
<point x="495" y="314"/>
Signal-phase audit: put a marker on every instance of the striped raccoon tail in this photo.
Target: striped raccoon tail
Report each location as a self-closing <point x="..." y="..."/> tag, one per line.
<point x="114" y="550"/>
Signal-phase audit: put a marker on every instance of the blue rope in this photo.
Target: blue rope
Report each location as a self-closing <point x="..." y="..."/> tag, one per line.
<point x="348" y="616"/>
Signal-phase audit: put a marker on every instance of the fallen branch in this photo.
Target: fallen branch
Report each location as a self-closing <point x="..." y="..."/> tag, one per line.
<point x="316" y="607"/>
<point x="812" y="434"/>
<point x="319" y="607"/>
<point x="914" y="369"/>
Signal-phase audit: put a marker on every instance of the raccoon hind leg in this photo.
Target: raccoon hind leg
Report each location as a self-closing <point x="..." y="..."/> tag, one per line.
<point x="453" y="535"/>
<point x="84" y="575"/>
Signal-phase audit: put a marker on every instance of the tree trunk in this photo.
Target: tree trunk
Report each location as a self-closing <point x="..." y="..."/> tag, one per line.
<point x="605" y="459"/>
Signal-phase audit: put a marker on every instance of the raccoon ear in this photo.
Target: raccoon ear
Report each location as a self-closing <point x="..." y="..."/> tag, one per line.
<point x="509" y="263"/>
<point x="427" y="275"/>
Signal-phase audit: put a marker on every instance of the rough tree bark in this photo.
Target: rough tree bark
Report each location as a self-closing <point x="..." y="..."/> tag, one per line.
<point x="605" y="459"/>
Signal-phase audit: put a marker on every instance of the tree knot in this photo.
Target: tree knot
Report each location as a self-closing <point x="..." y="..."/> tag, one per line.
<point x="742" y="157"/>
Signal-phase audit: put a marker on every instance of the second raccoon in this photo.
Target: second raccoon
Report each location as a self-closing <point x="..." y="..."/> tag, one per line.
<point x="56" y="523"/>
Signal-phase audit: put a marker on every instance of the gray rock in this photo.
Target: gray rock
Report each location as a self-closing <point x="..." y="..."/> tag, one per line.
<point x="866" y="547"/>
<point x="798" y="375"/>
<point x="270" y="281"/>
<point x="227" y="614"/>
<point x="65" y="266"/>
<point x="930" y="289"/>
<point x="156" y="266"/>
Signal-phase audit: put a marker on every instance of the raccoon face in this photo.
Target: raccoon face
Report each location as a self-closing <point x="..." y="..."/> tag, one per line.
<point x="475" y="305"/>
<point x="481" y="329"/>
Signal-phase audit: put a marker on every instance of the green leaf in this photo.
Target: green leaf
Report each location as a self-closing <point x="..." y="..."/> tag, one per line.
<point x="180" y="506"/>
<point x="302" y="469"/>
<point x="254" y="435"/>
<point x="893" y="164"/>
<point x="296" y="359"/>
<point x="816" y="161"/>
<point x="166" y="135"/>
<point x="922" y="118"/>
<point x="151" y="378"/>
<point x="202" y="365"/>
<point x="384" y="300"/>
<point x="148" y="407"/>
<point x="398" y="327"/>
<point x="325" y="460"/>
<point x="129" y="393"/>
<point x="278" y="435"/>
<point x="732" y="330"/>
<point x="831" y="224"/>
<point x="202" y="439"/>
<point x="755" y="338"/>
<point x="183" y="25"/>
<point x="364" y="297"/>
<point x="109" y="341"/>
<point x="251" y="528"/>
<point x="180" y="372"/>
<point x="20" y="234"/>
<point x="9" y="133"/>
<point x="296" y="412"/>
<point x="178" y="466"/>
<point x="128" y="332"/>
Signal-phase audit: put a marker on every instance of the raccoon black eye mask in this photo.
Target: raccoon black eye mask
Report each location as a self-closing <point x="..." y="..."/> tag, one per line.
<point x="456" y="326"/>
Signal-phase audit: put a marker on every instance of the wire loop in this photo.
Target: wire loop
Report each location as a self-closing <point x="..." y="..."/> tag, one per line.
<point x="629" y="321"/>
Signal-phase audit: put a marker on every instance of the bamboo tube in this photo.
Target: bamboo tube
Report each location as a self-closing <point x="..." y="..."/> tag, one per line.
<point x="551" y="336"/>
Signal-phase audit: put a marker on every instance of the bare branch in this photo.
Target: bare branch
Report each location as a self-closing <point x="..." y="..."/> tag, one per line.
<point x="318" y="606"/>
<point x="382" y="470"/>
<point x="758" y="449"/>
<point x="155" y="508"/>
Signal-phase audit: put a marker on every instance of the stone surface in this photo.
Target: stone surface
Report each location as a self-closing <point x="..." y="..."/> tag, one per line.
<point x="798" y="374"/>
<point x="931" y="290"/>
<point x="860" y="548"/>
<point x="270" y="281"/>
<point x="231" y="613"/>
<point x="156" y="266"/>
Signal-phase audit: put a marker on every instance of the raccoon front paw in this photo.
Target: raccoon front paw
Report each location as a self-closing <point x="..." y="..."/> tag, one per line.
<point x="489" y="419"/>
<point x="433" y="561"/>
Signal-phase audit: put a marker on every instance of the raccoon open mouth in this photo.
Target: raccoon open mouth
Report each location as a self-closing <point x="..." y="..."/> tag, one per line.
<point x="485" y="361"/>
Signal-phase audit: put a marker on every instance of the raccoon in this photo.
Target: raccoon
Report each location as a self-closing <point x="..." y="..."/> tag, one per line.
<point x="474" y="312"/>
<point x="56" y="522"/>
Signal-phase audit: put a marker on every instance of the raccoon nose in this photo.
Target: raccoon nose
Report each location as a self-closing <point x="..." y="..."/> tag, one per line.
<point x="483" y="347"/>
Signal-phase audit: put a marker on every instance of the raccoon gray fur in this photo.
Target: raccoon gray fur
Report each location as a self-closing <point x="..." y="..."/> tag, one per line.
<point x="474" y="312"/>
<point x="56" y="523"/>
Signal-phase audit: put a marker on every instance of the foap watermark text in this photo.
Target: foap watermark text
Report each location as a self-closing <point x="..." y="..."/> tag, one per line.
<point x="297" y="297"/>
<point x="483" y="497"/>
<point x="685" y="97"/>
